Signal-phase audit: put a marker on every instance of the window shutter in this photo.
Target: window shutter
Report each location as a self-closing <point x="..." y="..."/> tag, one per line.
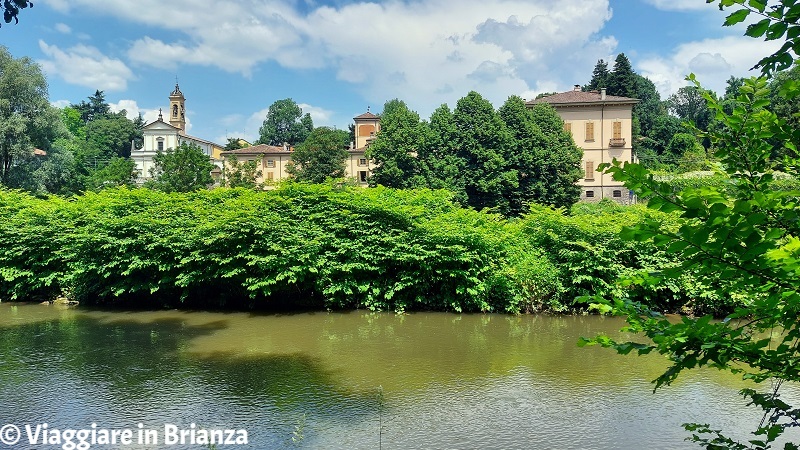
<point x="589" y="131"/>
<point x="617" y="130"/>
<point x="589" y="170"/>
<point x="568" y="127"/>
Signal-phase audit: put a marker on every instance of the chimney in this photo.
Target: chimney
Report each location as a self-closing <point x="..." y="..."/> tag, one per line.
<point x="577" y="88"/>
<point x="602" y="93"/>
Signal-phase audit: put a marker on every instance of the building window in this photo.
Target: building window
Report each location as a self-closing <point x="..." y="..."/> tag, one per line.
<point x="362" y="176"/>
<point x="270" y="163"/>
<point x="589" y="194"/>
<point x="161" y="145"/>
<point x="568" y="127"/>
<point x="362" y="161"/>
<point x="589" y="131"/>
<point x="589" y="175"/>
<point x="270" y="176"/>
<point x="617" y="130"/>
<point x="617" y="194"/>
<point x="175" y="111"/>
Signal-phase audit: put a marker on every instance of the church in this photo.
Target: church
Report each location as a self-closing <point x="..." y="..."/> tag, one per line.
<point x="162" y="136"/>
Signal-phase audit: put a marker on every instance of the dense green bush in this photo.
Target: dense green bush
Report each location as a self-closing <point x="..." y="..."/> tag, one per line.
<point x="318" y="246"/>
<point x="586" y="248"/>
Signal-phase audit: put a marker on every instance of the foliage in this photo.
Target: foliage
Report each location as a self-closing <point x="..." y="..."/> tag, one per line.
<point x="240" y="174"/>
<point x="622" y="80"/>
<point x="95" y="108"/>
<point x="778" y="20"/>
<point x="110" y="136"/>
<point x="235" y="144"/>
<point x="396" y="147"/>
<point x="600" y="77"/>
<point x="285" y="123"/>
<point x="744" y="243"/>
<point x="338" y="248"/>
<point x="319" y="157"/>
<point x="11" y="9"/>
<point x="543" y="156"/>
<point x="184" y="169"/>
<point x="118" y="172"/>
<point x="689" y="105"/>
<point x="482" y="142"/>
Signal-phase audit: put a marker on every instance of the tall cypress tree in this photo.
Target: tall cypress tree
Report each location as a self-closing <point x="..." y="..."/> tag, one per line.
<point x="622" y="81"/>
<point x="600" y="76"/>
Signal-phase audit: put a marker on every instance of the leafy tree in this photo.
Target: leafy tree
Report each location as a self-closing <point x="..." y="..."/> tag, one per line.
<point x="240" y="174"/>
<point x="118" y="172"/>
<point x="285" y="123"/>
<point x="184" y="169"/>
<point x="110" y="136"/>
<point x="395" y="149"/>
<point x="74" y="123"/>
<point x="95" y="108"/>
<point x="689" y="105"/>
<point x="600" y="77"/>
<point x="26" y="118"/>
<point x="440" y="166"/>
<point x="543" y="155"/>
<point x="743" y="242"/>
<point x="11" y="9"/>
<point x="483" y="142"/>
<point x="235" y="144"/>
<point x="319" y="157"/>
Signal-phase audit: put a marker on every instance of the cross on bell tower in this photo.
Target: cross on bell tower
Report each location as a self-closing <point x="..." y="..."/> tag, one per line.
<point x="177" y="113"/>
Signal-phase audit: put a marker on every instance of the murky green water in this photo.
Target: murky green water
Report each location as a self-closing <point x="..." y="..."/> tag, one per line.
<point x="350" y="380"/>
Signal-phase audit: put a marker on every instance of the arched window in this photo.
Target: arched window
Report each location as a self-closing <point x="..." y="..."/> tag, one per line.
<point x="174" y="110"/>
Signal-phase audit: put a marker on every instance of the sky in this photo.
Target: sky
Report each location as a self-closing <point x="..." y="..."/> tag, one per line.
<point x="336" y="58"/>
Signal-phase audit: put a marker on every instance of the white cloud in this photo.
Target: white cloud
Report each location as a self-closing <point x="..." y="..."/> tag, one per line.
<point x="320" y="116"/>
<point x="679" y="5"/>
<point x="713" y="61"/>
<point x="85" y="66"/>
<point x="420" y="51"/>
<point x="62" y="28"/>
<point x="61" y="103"/>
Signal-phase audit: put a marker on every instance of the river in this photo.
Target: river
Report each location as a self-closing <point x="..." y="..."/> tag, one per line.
<point x="350" y="380"/>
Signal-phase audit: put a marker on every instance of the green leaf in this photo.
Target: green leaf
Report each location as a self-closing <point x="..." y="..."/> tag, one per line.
<point x="757" y="29"/>
<point x="736" y="17"/>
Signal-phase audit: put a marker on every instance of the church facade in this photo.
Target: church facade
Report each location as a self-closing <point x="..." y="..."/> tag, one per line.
<point x="161" y="135"/>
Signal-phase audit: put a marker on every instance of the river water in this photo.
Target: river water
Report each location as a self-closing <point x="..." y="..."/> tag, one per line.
<point x="351" y="380"/>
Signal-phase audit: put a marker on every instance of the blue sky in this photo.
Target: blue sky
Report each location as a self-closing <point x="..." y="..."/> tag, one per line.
<point x="337" y="57"/>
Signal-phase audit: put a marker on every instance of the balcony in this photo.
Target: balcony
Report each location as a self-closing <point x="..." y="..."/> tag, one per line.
<point x="616" y="142"/>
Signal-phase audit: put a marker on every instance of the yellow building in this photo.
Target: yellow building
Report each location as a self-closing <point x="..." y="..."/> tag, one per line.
<point x="367" y="126"/>
<point x="272" y="160"/>
<point x="601" y="125"/>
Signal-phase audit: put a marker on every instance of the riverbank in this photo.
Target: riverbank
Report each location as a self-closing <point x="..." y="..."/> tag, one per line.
<point x="323" y="247"/>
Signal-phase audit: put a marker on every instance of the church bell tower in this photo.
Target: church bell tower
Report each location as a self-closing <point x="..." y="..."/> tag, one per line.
<point x="177" y="113"/>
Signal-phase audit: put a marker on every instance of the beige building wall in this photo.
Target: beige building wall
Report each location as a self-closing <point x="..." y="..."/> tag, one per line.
<point x="602" y="126"/>
<point x="359" y="167"/>
<point x="609" y="137"/>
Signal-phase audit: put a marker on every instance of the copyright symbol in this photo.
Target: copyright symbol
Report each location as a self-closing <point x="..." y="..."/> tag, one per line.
<point x="9" y="434"/>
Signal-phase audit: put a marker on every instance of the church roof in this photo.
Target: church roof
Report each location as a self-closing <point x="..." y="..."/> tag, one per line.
<point x="260" y="149"/>
<point x="575" y="97"/>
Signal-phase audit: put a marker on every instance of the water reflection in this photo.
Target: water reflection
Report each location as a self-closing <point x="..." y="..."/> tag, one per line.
<point x="448" y="381"/>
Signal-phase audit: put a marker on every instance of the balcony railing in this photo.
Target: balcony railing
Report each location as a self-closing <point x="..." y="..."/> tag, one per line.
<point x="616" y="142"/>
